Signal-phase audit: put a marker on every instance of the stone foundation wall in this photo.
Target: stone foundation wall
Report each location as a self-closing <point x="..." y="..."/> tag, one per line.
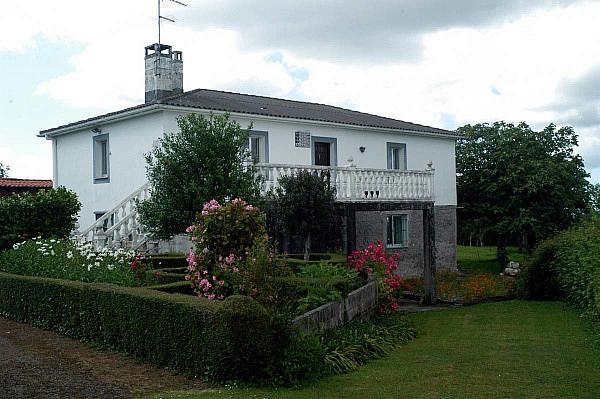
<point x="370" y="226"/>
<point x="445" y="237"/>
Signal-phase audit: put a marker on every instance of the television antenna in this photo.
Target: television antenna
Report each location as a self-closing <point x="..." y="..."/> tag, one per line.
<point x="161" y="17"/>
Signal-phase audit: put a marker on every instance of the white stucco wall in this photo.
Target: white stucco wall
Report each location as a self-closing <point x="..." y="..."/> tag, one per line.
<point x="130" y="139"/>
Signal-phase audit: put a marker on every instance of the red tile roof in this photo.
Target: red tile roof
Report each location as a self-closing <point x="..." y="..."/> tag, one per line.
<point x="26" y="183"/>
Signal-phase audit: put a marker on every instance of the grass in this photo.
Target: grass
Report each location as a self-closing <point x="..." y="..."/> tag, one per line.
<point x="483" y="259"/>
<point x="510" y="349"/>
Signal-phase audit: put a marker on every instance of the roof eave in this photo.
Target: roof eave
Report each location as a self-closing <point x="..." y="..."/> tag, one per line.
<point x="93" y="122"/>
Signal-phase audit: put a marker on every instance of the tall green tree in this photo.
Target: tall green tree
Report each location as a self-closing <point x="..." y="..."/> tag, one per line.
<point x="3" y="170"/>
<point x="595" y="199"/>
<point x="204" y="161"/>
<point x="515" y="182"/>
<point x="304" y="204"/>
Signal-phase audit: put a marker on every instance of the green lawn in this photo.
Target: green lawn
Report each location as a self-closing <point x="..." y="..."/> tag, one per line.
<point x="483" y="259"/>
<point x="498" y="350"/>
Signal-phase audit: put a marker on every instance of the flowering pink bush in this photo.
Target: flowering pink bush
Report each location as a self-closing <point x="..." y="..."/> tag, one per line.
<point x="374" y="259"/>
<point x="230" y="243"/>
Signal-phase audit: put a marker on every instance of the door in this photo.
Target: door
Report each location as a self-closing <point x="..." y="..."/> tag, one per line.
<point x="322" y="153"/>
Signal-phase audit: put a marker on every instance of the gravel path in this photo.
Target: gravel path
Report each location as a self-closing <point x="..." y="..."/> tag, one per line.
<point x="42" y="364"/>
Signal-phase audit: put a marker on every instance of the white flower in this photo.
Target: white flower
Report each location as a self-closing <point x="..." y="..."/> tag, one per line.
<point x="52" y="253"/>
<point x="111" y="267"/>
<point x="69" y="255"/>
<point x="97" y="264"/>
<point x="89" y="267"/>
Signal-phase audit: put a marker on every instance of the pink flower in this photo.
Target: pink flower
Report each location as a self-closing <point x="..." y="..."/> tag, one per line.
<point x="190" y="229"/>
<point x="211" y="296"/>
<point x="230" y="259"/>
<point x="236" y="270"/>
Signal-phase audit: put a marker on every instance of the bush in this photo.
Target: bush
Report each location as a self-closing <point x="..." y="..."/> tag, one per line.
<point x="374" y="259"/>
<point x="47" y="213"/>
<point x="234" y="339"/>
<point x="231" y="254"/>
<point x="567" y="267"/>
<point x="304" y="204"/>
<point x="64" y="259"/>
<point x="205" y="160"/>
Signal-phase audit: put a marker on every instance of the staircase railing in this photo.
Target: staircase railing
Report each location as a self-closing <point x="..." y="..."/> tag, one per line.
<point x="119" y="227"/>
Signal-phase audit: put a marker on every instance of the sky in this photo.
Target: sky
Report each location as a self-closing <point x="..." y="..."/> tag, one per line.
<point x="434" y="62"/>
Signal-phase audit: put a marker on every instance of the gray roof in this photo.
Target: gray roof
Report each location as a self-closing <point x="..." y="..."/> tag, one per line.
<point x="268" y="106"/>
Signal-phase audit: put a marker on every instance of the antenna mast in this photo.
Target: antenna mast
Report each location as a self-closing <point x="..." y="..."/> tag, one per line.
<point x="158" y="50"/>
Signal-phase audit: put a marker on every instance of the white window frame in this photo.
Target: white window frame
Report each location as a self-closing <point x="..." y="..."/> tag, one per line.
<point x="391" y="147"/>
<point x="101" y="158"/>
<point x="390" y="219"/>
<point x="262" y="138"/>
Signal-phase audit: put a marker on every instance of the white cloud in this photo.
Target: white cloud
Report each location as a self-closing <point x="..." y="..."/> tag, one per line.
<point x="525" y="53"/>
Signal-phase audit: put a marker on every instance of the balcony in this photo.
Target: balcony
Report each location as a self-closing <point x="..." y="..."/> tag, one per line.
<point x="354" y="184"/>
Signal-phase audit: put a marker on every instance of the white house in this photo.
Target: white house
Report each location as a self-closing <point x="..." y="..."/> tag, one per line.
<point x="386" y="171"/>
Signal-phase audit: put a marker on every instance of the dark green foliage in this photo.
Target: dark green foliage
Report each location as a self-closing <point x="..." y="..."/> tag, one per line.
<point x="47" y="213"/>
<point x="595" y="200"/>
<point x="567" y="267"/>
<point x="514" y="182"/>
<point x="235" y="339"/>
<point x="348" y="347"/>
<point x="304" y="204"/>
<point x="204" y="161"/>
<point x="3" y="170"/>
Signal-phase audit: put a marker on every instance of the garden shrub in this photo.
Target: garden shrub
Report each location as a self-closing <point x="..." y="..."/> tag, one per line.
<point x="234" y="339"/>
<point x="47" y="213"/>
<point x="374" y="259"/>
<point x="231" y="254"/>
<point x="62" y="258"/>
<point x="567" y="267"/>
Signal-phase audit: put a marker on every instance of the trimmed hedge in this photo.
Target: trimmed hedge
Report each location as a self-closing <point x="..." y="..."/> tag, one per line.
<point x="47" y="213"/>
<point x="234" y="339"/>
<point x="566" y="267"/>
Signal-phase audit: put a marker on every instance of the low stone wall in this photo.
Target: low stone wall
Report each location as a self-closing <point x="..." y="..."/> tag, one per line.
<point x="359" y="304"/>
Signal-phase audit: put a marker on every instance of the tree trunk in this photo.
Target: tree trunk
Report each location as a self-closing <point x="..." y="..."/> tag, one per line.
<point x="307" y="247"/>
<point x="501" y="254"/>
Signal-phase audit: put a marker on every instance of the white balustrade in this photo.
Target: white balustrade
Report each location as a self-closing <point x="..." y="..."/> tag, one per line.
<point x="360" y="184"/>
<point x="120" y="227"/>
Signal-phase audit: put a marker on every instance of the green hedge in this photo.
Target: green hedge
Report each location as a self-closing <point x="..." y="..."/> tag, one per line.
<point x="47" y="213"/>
<point x="566" y="267"/>
<point x="235" y="339"/>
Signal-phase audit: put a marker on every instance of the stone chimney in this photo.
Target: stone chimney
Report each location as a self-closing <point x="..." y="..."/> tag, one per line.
<point x="164" y="72"/>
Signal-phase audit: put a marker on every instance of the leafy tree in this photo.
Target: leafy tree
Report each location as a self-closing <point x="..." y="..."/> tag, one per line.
<point x="304" y="203"/>
<point x="595" y="199"/>
<point x="3" y="170"/>
<point x="204" y="161"/>
<point x="514" y="181"/>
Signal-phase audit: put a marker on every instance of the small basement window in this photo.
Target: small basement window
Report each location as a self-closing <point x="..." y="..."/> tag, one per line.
<point x="101" y="159"/>
<point x="397" y="231"/>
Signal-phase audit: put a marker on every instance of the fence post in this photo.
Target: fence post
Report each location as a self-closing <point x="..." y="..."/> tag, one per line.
<point x="429" y="295"/>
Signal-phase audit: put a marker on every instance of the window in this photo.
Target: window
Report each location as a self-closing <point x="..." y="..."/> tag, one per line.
<point x="397" y="231"/>
<point x="258" y="147"/>
<point x="101" y="159"/>
<point x="396" y="156"/>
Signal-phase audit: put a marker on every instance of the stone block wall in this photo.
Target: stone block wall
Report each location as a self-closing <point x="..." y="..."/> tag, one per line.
<point x="359" y="304"/>
<point x="367" y="224"/>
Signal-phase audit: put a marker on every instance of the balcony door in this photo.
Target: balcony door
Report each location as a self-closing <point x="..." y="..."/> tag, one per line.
<point x="324" y="151"/>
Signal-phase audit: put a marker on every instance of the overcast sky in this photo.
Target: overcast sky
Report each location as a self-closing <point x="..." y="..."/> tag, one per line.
<point x="436" y="62"/>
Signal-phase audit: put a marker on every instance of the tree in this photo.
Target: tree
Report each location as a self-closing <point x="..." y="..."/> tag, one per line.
<point x="3" y="170"/>
<point x="595" y="199"/>
<point x="305" y="204"/>
<point x="515" y="182"/>
<point x="204" y="161"/>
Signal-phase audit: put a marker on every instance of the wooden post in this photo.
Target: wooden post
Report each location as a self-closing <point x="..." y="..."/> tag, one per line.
<point x="429" y="295"/>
